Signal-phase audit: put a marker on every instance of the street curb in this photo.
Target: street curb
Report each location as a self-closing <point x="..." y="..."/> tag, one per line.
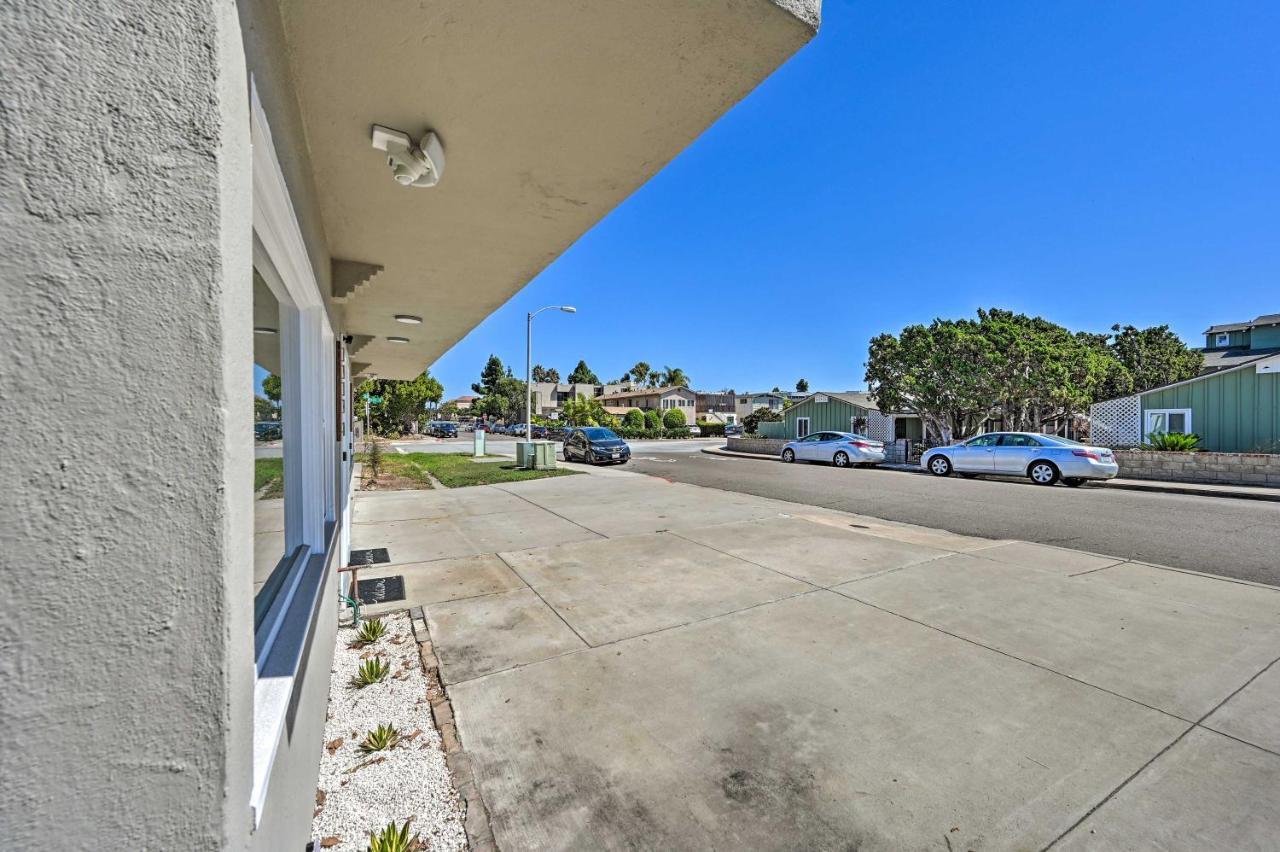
<point x="1154" y="486"/>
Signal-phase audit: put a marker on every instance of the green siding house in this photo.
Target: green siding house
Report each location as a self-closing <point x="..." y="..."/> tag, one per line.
<point x="823" y="412"/>
<point x="1234" y="406"/>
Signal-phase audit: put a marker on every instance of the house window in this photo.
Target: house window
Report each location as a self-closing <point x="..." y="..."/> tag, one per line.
<point x="802" y="426"/>
<point x="1223" y="339"/>
<point x="1164" y="420"/>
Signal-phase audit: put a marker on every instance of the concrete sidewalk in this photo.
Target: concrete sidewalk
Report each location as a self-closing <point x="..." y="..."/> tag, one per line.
<point x="1200" y="489"/>
<point x="640" y="664"/>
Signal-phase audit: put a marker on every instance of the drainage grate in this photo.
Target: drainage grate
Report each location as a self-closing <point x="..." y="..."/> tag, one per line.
<point x="369" y="556"/>
<point x="382" y="590"/>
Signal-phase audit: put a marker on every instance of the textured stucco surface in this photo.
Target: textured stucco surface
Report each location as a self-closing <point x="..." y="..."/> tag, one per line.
<point x="125" y="266"/>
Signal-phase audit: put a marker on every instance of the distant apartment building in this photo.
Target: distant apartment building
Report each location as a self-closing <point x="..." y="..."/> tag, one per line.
<point x="745" y="404"/>
<point x="549" y="397"/>
<point x="462" y="403"/>
<point x="651" y="399"/>
<point x="718" y="407"/>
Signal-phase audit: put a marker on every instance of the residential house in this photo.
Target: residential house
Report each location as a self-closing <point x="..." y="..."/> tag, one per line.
<point x="718" y="407"/>
<point x="747" y="403"/>
<point x="844" y="411"/>
<point x="547" y="398"/>
<point x="463" y="403"/>
<point x="1236" y="343"/>
<point x="221" y="197"/>
<point x="1234" y="409"/>
<point x="652" y="399"/>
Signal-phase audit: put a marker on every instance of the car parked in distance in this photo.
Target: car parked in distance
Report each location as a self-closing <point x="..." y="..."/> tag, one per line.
<point x="267" y="430"/>
<point x="1044" y="459"/>
<point x="842" y="449"/>
<point x="733" y="430"/>
<point x="595" y="445"/>
<point x="694" y="431"/>
<point x="443" y="429"/>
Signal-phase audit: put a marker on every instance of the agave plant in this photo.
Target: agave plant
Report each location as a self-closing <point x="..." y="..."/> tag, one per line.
<point x="393" y="839"/>
<point x="371" y="671"/>
<point x="379" y="739"/>
<point x="1171" y="442"/>
<point x="371" y="631"/>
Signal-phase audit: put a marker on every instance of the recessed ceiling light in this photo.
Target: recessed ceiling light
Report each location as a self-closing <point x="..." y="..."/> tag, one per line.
<point x="398" y="339"/>
<point x="408" y="319"/>
<point x="262" y="329"/>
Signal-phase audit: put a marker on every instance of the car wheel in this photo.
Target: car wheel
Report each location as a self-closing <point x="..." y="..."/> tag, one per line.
<point x="940" y="466"/>
<point x="788" y="456"/>
<point x="1073" y="482"/>
<point x="841" y="459"/>
<point x="1042" y="473"/>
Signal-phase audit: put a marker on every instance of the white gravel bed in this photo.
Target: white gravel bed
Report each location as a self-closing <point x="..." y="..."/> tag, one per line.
<point x="410" y="780"/>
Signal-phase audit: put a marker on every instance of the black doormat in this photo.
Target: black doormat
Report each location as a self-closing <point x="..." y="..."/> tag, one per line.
<point x="382" y="590"/>
<point x="369" y="556"/>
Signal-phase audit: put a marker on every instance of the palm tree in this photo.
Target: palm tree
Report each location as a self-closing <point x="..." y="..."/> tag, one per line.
<point x="674" y="377"/>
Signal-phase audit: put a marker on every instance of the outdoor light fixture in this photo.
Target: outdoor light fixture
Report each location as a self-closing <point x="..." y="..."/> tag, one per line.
<point x="408" y="319"/>
<point x="262" y="329"/>
<point x="398" y="339"/>
<point x="411" y="165"/>
<point x="528" y="365"/>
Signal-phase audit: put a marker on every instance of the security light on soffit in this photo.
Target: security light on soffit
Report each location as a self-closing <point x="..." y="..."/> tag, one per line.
<point x="395" y="339"/>
<point x="262" y="329"/>
<point x="408" y="319"/>
<point x="411" y="165"/>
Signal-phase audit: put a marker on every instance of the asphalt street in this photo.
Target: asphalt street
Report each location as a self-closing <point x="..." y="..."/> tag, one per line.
<point x="1228" y="537"/>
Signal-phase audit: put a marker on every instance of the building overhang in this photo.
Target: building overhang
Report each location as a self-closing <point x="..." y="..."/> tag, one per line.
<point x="550" y="114"/>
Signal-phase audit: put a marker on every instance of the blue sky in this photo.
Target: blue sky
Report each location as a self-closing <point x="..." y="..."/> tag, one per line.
<point x="1090" y="162"/>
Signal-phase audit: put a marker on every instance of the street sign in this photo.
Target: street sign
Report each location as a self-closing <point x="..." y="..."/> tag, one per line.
<point x="374" y="399"/>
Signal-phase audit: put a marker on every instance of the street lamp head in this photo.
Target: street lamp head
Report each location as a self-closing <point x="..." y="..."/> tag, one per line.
<point x="569" y="309"/>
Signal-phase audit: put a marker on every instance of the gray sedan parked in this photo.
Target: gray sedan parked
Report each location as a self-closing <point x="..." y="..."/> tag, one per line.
<point x="842" y="449"/>
<point x="1043" y="458"/>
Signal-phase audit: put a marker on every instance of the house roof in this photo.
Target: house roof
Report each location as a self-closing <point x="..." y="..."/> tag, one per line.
<point x="644" y="392"/>
<point x="1264" y="319"/>
<point x="1220" y="359"/>
<point x="1258" y="355"/>
<point x="858" y="398"/>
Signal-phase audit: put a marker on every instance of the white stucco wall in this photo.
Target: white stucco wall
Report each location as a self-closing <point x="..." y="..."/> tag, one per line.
<point x="125" y="266"/>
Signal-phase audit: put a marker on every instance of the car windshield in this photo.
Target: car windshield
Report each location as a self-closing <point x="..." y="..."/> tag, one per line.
<point x="598" y="433"/>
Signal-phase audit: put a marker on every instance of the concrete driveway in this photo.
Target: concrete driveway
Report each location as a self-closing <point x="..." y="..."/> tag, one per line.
<point x="637" y="664"/>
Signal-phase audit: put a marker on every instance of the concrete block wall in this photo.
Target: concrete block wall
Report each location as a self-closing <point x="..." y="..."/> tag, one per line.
<point x="763" y="446"/>
<point x="1221" y="468"/>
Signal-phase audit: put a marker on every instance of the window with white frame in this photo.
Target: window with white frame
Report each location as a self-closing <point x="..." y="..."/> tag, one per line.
<point x="1223" y="339"/>
<point x="1166" y="420"/>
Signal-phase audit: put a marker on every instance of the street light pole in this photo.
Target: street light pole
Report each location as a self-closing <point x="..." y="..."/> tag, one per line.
<point x="528" y="364"/>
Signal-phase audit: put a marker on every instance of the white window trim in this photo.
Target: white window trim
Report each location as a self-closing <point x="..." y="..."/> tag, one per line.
<point x="1146" y="418"/>
<point x="808" y="427"/>
<point x="306" y="350"/>
<point x="1222" y="339"/>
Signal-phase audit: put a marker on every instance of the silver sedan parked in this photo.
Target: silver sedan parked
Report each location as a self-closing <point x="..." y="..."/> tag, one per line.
<point x="842" y="449"/>
<point x="1044" y="459"/>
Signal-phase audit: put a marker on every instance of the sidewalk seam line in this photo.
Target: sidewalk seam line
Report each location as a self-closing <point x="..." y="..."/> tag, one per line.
<point x="545" y="602"/>
<point x="1196" y="724"/>
<point x="551" y="511"/>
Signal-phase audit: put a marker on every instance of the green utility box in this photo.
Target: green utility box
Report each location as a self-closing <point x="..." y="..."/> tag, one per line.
<point x="536" y="455"/>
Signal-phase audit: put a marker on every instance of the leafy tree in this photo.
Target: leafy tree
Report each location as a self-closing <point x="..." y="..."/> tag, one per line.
<point x="263" y="409"/>
<point x="492" y="373"/>
<point x="584" y="411"/>
<point x="1154" y="356"/>
<point x="546" y="374"/>
<point x="504" y="402"/>
<point x="640" y="372"/>
<point x="802" y="386"/>
<point x="271" y="388"/>
<point x="751" y="423"/>
<point x="941" y="372"/>
<point x="674" y="419"/>
<point x="674" y="377"/>
<point x="776" y="389"/>
<point x="401" y="401"/>
<point x="448" y="411"/>
<point x="652" y="419"/>
<point x="634" y="419"/>
<point x="582" y="375"/>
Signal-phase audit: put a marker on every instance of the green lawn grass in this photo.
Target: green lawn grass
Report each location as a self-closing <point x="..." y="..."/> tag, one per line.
<point x="269" y="473"/>
<point x="456" y="470"/>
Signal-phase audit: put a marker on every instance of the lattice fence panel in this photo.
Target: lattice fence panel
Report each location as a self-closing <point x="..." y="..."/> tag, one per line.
<point x="879" y="426"/>
<point x="1116" y="422"/>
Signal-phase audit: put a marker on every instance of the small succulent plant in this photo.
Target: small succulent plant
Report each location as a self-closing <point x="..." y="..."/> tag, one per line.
<point x="394" y="839"/>
<point x="371" y="671"/>
<point x="370" y="631"/>
<point x="379" y="739"/>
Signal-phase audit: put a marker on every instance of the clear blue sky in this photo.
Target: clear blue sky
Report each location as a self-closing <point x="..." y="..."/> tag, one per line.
<point x="1090" y="162"/>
